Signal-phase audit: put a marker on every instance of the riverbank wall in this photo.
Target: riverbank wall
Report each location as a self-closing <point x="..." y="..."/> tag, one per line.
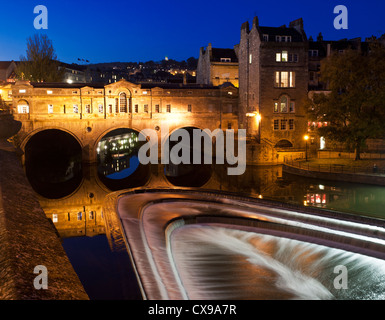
<point x="29" y="240"/>
<point x="373" y="179"/>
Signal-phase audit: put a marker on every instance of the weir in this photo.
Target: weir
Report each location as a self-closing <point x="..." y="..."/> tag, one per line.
<point x="187" y="244"/>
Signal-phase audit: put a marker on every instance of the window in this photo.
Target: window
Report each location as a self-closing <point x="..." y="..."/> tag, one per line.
<point x="157" y="108"/>
<point x="292" y="106"/>
<point x="168" y="108"/>
<point x="49" y="91"/>
<point x="110" y="108"/>
<point x="283" y="104"/>
<point x="265" y="37"/>
<point x="293" y="57"/>
<point x="54" y="218"/>
<point x="145" y="108"/>
<point x="80" y="216"/>
<point x="189" y="108"/>
<point x="136" y="108"/>
<point x="291" y="124"/>
<point x="50" y="108"/>
<point x="283" y="124"/>
<point x="100" y="108"/>
<point x="91" y="215"/>
<point x="283" y="38"/>
<point x="122" y="102"/>
<point x="284" y="79"/>
<point x="74" y="92"/>
<point x="22" y="91"/>
<point x="313" y="53"/>
<point x="276" y="109"/>
<point x="229" y="125"/>
<point x="250" y="58"/>
<point x="225" y="59"/>
<point x="88" y="108"/>
<point x="276" y="124"/>
<point x="76" y="108"/>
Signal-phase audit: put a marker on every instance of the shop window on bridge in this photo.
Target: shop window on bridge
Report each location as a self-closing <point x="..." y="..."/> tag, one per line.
<point x="23" y="107"/>
<point x="122" y="102"/>
<point x="80" y="216"/>
<point x="100" y="108"/>
<point x="88" y="108"/>
<point x="76" y="108"/>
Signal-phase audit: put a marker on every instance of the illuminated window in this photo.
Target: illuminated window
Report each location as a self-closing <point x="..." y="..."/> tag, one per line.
<point x="283" y="104"/>
<point x="91" y="215"/>
<point x="22" y="91"/>
<point x="54" y="218"/>
<point x="276" y="107"/>
<point x="88" y="108"/>
<point x="122" y="102"/>
<point x="80" y="216"/>
<point x="49" y="91"/>
<point x="284" y="56"/>
<point x="50" y="108"/>
<point x="250" y="58"/>
<point x="76" y="108"/>
<point x="284" y="79"/>
<point x="100" y="108"/>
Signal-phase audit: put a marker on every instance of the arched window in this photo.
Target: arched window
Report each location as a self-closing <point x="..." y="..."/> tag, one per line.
<point x="122" y="102"/>
<point x="283" y="144"/>
<point x="22" y="106"/>
<point x="283" y="104"/>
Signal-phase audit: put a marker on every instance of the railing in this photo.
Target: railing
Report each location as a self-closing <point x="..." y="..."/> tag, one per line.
<point x="333" y="168"/>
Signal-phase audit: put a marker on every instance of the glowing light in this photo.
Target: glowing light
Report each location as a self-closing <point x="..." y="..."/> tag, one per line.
<point x="69" y="81"/>
<point x="306" y="137"/>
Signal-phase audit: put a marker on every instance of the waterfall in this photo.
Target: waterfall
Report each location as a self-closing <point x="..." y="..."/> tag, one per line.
<point x="268" y="267"/>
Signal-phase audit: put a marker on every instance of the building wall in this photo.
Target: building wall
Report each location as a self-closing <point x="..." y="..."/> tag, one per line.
<point x="211" y="108"/>
<point x="258" y="92"/>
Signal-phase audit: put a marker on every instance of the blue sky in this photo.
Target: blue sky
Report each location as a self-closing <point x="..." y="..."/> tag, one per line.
<point x="107" y="31"/>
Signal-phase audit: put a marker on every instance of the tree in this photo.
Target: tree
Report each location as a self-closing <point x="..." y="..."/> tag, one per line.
<point x="354" y="106"/>
<point x="40" y="63"/>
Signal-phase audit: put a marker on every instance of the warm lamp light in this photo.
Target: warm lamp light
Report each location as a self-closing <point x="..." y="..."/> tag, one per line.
<point x="306" y="137"/>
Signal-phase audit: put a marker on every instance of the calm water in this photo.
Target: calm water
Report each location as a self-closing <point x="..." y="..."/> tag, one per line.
<point x="73" y="200"/>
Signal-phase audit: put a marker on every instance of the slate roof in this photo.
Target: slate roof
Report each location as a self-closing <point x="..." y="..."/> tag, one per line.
<point x="281" y="31"/>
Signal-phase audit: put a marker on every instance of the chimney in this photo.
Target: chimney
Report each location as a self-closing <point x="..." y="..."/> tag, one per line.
<point x="320" y="37"/>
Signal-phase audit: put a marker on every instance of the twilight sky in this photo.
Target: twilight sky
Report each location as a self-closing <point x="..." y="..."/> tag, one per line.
<point x="125" y="30"/>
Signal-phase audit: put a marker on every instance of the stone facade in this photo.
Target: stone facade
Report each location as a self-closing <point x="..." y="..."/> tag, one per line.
<point x="88" y="113"/>
<point x="273" y="84"/>
<point x="217" y="66"/>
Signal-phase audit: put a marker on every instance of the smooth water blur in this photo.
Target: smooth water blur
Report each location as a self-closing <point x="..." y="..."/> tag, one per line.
<point x="243" y="265"/>
<point x="76" y="211"/>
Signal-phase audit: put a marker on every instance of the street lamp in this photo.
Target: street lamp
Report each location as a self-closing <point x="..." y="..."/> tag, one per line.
<point x="306" y="139"/>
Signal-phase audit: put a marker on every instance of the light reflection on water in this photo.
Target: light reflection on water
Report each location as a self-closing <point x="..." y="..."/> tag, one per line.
<point x="267" y="182"/>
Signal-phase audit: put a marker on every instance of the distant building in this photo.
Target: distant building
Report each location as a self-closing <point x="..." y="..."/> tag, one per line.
<point x="217" y="66"/>
<point x="74" y="73"/>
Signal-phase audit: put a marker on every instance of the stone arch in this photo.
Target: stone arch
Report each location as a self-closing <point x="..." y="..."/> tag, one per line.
<point x="34" y="132"/>
<point x="283" y="144"/>
<point x="22" y="106"/>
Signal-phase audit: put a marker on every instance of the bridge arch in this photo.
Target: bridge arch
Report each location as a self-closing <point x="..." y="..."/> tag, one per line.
<point x="27" y="138"/>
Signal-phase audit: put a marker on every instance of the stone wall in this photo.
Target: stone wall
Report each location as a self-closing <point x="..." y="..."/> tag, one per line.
<point x="28" y="239"/>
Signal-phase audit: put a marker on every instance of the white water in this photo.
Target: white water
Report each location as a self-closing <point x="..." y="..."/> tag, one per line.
<point x="214" y="262"/>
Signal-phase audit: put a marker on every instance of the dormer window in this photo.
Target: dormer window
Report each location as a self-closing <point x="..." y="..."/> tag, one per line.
<point x="265" y="37"/>
<point x="283" y="38"/>
<point x="225" y="59"/>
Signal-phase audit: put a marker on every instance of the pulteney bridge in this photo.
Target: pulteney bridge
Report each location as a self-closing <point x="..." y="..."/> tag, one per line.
<point x="88" y="113"/>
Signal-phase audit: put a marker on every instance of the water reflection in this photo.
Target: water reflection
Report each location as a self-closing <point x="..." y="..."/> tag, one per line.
<point x="78" y="217"/>
<point x="118" y="163"/>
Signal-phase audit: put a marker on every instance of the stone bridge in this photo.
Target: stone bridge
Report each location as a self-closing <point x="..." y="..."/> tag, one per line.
<point x="89" y="113"/>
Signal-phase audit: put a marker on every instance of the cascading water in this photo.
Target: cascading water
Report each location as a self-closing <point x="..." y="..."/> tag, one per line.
<point x="217" y="262"/>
